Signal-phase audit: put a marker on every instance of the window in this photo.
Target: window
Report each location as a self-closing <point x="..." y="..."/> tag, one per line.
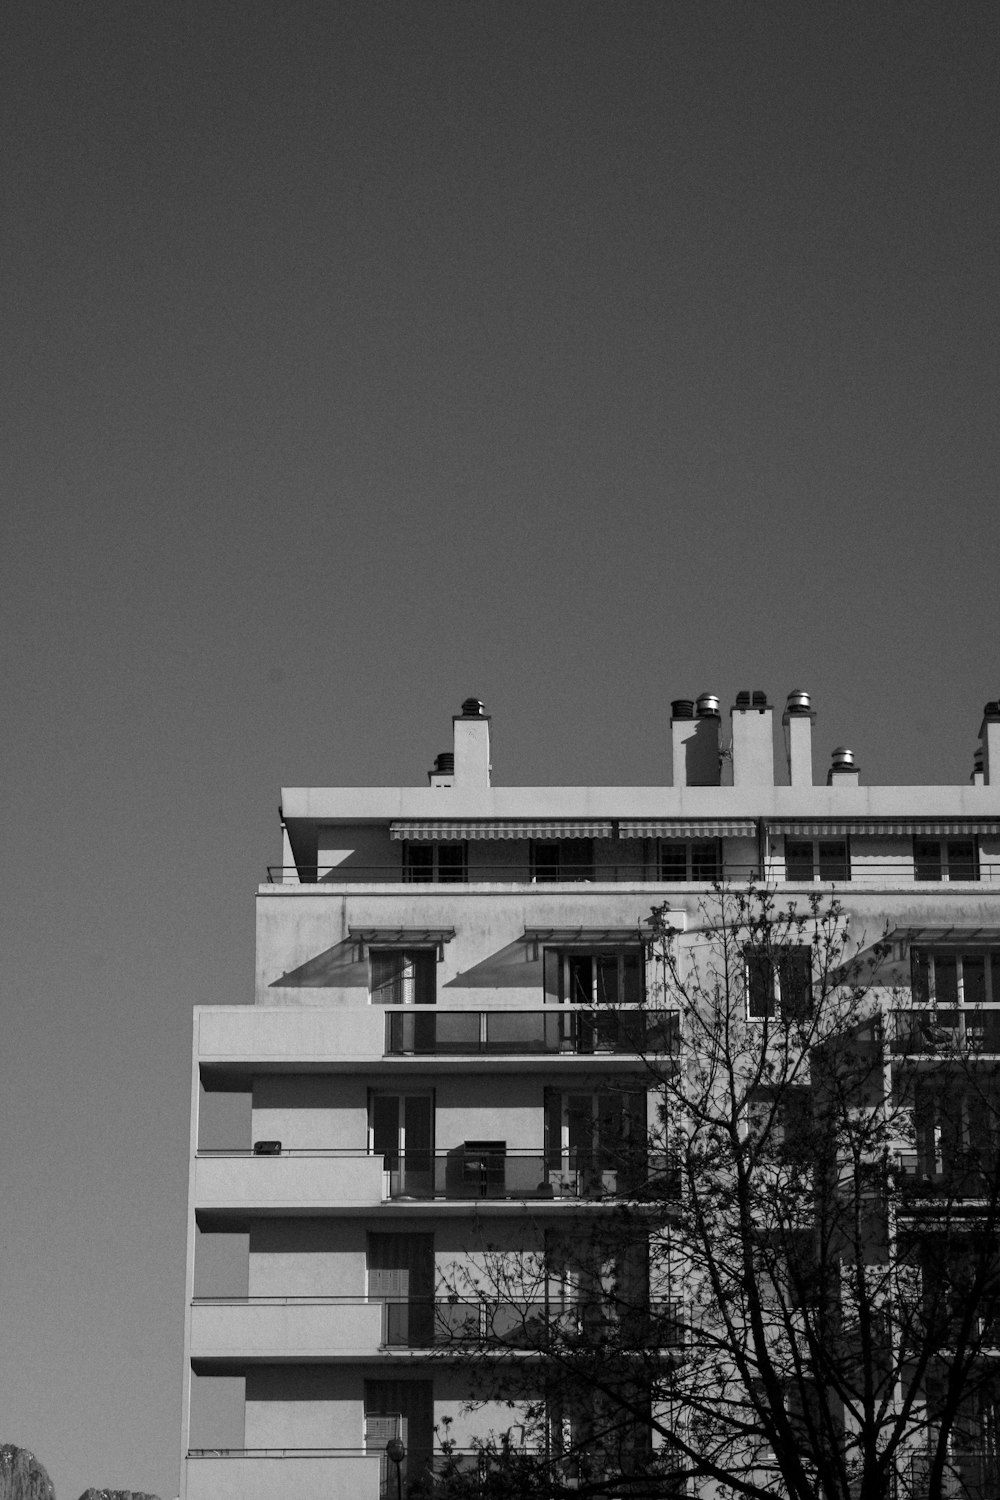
<point x="945" y="859"/>
<point x="961" y="993"/>
<point x="441" y="862"/>
<point x="403" y="976"/>
<point x="596" y="1142"/>
<point x="568" y="859"/>
<point x="603" y="976"/>
<point x="690" y="859"/>
<point x="817" y="859"/>
<point x="779" y="981"/>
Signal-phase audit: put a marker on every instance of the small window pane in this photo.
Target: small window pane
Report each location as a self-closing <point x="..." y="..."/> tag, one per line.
<point x="760" y="986"/>
<point x="795" y="983"/>
<point x="576" y="859"/>
<point x="961" y="859"/>
<point x="798" y="859"/>
<point x="451" y="861"/>
<point x="580" y="979"/>
<point x="973" y="980"/>
<point x="545" y="862"/>
<point x="673" y="861"/>
<point x="833" y="859"/>
<point x="633" y="974"/>
<point x="945" y="980"/>
<point x="418" y="861"/>
<point x="705" y="861"/>
<point x="926" y="859"/>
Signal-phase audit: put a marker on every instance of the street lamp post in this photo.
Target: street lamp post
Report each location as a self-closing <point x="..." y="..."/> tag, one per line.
<point x="395" y="1453"/>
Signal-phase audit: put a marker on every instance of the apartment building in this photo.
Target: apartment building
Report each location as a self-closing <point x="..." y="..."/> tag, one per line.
<point x="441" y="977"/>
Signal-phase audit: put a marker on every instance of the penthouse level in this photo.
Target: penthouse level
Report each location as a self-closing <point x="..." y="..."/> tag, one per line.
<point x="739" y="803"/>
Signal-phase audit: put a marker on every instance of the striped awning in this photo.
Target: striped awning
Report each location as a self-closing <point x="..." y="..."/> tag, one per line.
<point x="687" y="828"/>
<point x="503" y="828"/>
<point x="932" y="827"/>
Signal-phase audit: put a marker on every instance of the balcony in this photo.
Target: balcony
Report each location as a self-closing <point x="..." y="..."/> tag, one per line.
<point x="303" y="1328"/>
<point x="557" y="1031"/>
<point x="287" y="1182"/>
<point x="970" y="1176"/>
<point x="858" y="871"/>
<point x="473" y="1172"/>
<point x="263" y="1473"/>
<point x="932" y="1032"/>
<point x="232" y="1183"/>
<point x="967" y="1476"/>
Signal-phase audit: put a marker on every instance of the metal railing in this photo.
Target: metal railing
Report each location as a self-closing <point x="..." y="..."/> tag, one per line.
<point x="858" y="872"/>
<point x="557" y="1030"/>
<point x="938" y="1032"/>
<point x="971" y="1175"/>
<point x="969" y="1475"/>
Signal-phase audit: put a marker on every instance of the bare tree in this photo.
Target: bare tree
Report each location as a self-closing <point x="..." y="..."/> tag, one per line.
<point x="785" y="1276"/>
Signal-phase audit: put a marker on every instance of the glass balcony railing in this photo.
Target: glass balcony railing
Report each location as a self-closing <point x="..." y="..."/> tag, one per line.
<point x="970" y="1174"/>
<point x="556" y="1031"/>
<point x="439" y="1322"/>
<point x="472" y="1174"/>
<point x="938" y="1032"/>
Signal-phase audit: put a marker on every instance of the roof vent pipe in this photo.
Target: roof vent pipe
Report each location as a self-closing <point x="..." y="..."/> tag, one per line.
<point x="798" y="702"/>
<point x="472" y="708"/>
<point x="844" y="769"/>
<point x="444" y="764"/>
<point x="708" y="706"/>
<point x="682" y="708"/>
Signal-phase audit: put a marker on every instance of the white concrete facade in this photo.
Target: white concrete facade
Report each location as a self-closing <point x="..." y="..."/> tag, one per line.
<point x="398" y="1067"/>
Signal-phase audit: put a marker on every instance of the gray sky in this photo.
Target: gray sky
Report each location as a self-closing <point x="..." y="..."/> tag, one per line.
<point x="360" y="357"/>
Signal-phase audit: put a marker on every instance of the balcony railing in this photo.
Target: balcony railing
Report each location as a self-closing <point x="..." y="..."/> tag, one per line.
<point x="556" y="1031"/>
<point x="861" y="872"/>
<point x="971" y="1175"/>
<point x="469" y="1172"/>
<point x="932" y="1032"/>
<point x="967" y="1476"/>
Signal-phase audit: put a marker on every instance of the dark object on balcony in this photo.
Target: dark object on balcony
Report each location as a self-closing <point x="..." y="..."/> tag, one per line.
<point x="484" y="1168"/>
<point x="267" y="1148"/>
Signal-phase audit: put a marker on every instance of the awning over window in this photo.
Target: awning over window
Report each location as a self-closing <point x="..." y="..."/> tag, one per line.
<point x="503" y="828"/>
<point x="424" y="936"/>
<point x="944" y="937"/>
<point x="587" y="935"/>
<point x="687" y="828"/>
<point x="903" y="827"/>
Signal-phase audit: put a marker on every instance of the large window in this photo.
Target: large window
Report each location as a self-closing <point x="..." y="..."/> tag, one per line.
<point x="817" y="859"/>
<point x="945" y="859"/>
<point x="690" y="859"/>
<point x="602" y="976"/>
<point x="564" y="859"/>
<point x="403" y="976"/>
<point x="441" y="862"/>
<point x="779" y="982"/>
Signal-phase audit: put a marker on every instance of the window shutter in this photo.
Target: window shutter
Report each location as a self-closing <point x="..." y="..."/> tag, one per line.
<point x="551" y="965"/>
<point x="386" y="976"/>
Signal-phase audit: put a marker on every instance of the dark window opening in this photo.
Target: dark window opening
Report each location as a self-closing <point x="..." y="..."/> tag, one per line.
<point x="565" y="859"/>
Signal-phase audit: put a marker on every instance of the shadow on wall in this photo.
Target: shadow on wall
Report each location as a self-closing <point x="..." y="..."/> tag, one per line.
<point x="512" y="967"/>
<point x="338" y="965"/>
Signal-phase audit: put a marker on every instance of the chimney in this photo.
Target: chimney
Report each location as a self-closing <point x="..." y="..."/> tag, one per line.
<point x="989" y="736"/>
<point x="471" y="766"/>
<point x="797" y="722"/>
<point x="443" y="773"/>
<point x="843" y="770"/>
<point x="694" y="736"/>
<point x="753" y="743"/>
